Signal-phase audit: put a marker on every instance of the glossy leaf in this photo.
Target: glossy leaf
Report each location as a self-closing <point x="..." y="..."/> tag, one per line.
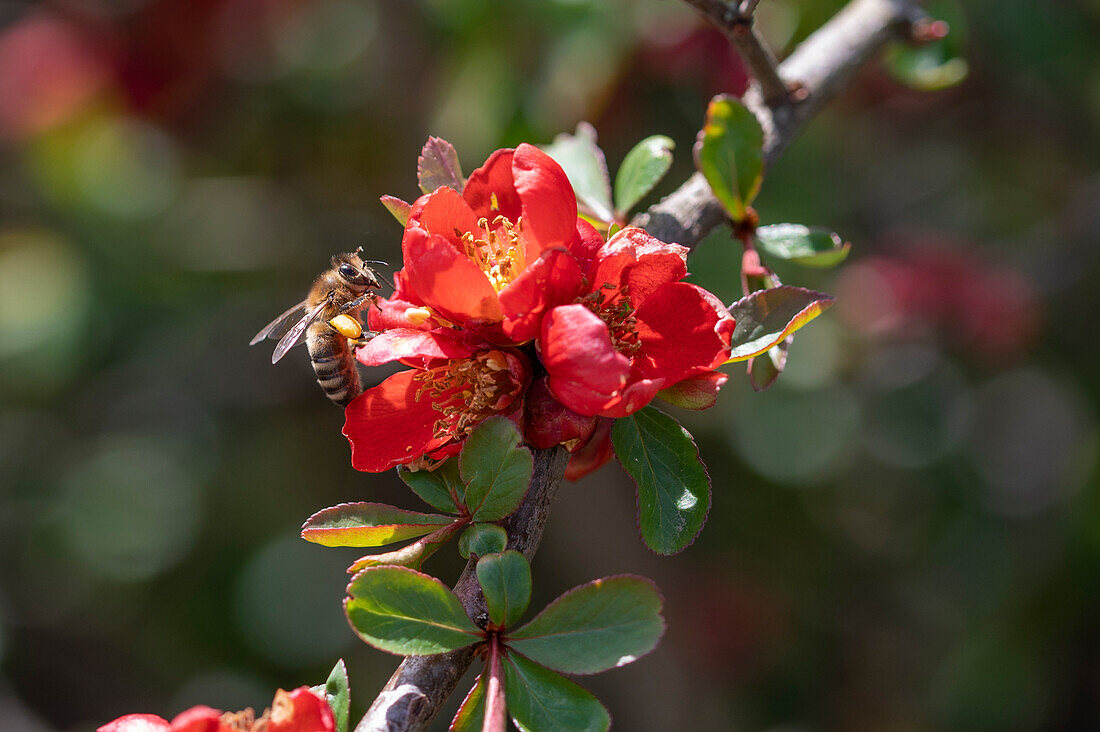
<point x="729" y="152"/>
<point x="673" y="486"/>
<point x="505" y="580"/>
<point x="402" y="611"/>
<point x="470" y="713"/>
<point x="338" y="695"/>
<point x="481" y="539"/>
<point x="438" y="166"/>
<point x="642" y="168"/>
<point x="400" y="209"/>
<point x="495" y="469"/>
<point x="435" y="487"/>
<point x="766" y="368"/>
<point x="584" y="164"/>
<point x="604" y="624"/>
<point x="766" y="317"/>
<point x="812" y="247"/>
<point x="540" y="700"/>
<point x="411" y="555"/>
<point x="368" y="524"/>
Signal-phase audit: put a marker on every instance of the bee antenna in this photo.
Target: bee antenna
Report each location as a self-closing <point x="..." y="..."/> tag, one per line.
<point x="375" y="261"/>
<point x="385" y="280"/>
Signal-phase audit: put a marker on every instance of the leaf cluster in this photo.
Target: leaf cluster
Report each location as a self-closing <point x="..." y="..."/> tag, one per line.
<point x="594" y="627"/>
<point x="484" y="485"/>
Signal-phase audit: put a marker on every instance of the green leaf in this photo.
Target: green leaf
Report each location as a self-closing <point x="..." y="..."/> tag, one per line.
<point x="766" y="368"/>
<point x="438" y="166"/>
<point x="400" y="209"/>
<point x="402" y="611"/>
<point x="540" y="700"/>
<point x="766" y="317"/>
<point x="695" y="392"/>
<point x="435" y="487"/>
<point x="673" y="486"/>
<point x="411" y="555"/>
<point x="729" y="152"/>
<point x="505" y="579"/>
<point x="606" y="623"/>
<point x="642" y="168"/>
<point x="338" y="695"/>
<point x="802" y="245"/>
<point x="470" y="713"/>
<point x="481" y="539"/>
<point x="368" y="524"/>
<point x="496" y="470"/>
<point x="936" y="64"/>
<point x="929" y="67"/>
<point x="584" y="164"/>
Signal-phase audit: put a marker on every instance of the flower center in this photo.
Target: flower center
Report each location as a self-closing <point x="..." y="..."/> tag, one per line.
<point x="466" y="391"/>
<point x="612" y="305"/>
<point x="497" y="249"/>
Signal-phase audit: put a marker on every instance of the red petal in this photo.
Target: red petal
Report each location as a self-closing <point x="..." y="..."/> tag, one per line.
<point x="680" y="332"/>
<point x="387" y="426"/>
<point x="197" y="719"/>
<point x="586" y="244"/>
<point x="406" y="343"/>
<point x="447" y="279"/>
<point x="390" y="313"/>
<point x="306" y="712"/>
<point x="695" y="392"/>
<point x="593" y="455"/>
<point x="585" y="371"/>
<point x="494" y="179"/>
<point x="553" y="279"/>
<point x="634" y="258"/>
<point x="137" y="723"/>
<point x="549" y="203"/>
<point x="443" y="212"/>
<point x="632" y="397"/>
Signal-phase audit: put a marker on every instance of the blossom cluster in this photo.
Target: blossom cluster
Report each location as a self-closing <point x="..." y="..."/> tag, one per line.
<point x="300" y="710"/>
<point x="510" y="303"/>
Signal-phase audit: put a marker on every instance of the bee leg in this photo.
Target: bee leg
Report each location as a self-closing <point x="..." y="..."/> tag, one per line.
<point x="358" y="303"/>
<point x="367" y="337"/>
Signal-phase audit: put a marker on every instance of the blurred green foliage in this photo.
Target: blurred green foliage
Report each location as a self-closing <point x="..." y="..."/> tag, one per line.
<point x="905" y="531"/>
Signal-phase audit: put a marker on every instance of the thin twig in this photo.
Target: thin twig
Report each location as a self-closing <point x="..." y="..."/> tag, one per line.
<point x="824" y="64"/>
<point x="737" y="24"/>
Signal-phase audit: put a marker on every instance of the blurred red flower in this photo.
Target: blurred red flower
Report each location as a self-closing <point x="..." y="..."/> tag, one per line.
<point x="299" y="710"/>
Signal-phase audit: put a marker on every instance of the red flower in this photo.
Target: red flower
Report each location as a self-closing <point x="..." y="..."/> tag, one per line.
<point x="635" y="329"/>
<point x="295" y="711"/>
<point x="494" y="258"/>
<point x="428" y="410"/>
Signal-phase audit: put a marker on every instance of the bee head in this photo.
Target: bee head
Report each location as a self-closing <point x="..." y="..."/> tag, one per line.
<point x="356" y="273"/>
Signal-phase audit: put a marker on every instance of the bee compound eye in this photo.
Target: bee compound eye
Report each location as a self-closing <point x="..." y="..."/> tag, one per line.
<point x="348" y="272"/>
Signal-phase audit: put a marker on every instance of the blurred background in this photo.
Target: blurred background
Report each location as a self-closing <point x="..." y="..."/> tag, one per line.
<point x="905" y="532"/>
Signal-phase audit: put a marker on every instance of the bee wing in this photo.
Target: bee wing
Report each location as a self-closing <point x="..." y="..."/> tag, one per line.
<point x="296" y="334"/>
<point x="276" y="328"/>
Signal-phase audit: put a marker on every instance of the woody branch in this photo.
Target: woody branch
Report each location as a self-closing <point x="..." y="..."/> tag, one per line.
<point x="822" y="66"/>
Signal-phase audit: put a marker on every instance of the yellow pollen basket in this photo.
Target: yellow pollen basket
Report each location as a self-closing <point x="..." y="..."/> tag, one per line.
<point x="497" y="248"/>
<point x="347" y="326"/>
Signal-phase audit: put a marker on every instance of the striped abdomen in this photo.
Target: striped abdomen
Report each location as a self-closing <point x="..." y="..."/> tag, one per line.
<point x="333" y="363"/>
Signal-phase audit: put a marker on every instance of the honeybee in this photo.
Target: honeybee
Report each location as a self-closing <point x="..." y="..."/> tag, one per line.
<point x="327" y="322"/>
